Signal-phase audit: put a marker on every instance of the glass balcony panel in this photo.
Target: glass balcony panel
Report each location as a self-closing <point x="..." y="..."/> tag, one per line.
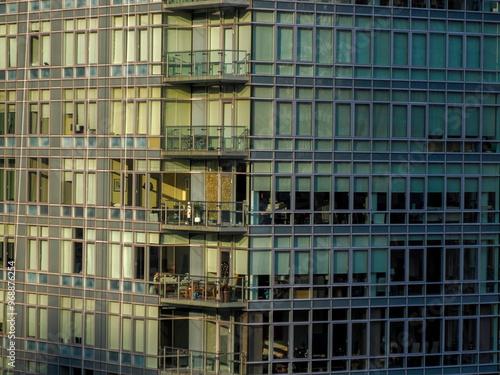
<point x="206" y="141"/>
<point x="199" y="289"/>
<point x="204" y="216"/>
<point x="209" y="65"/>
<point x="186" y="361"/>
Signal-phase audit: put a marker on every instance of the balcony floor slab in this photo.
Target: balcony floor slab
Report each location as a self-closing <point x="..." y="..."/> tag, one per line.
<point x="206" y="154"/>
<point x="204" y="229"/>
<point x="214" y="304"/>
<point x="207" y="4"/>
<point x="207" y="79"/>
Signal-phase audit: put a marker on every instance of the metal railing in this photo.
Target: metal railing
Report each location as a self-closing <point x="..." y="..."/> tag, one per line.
<point x="205" y="214"/>
<point x="179" y="2"/>
<point x="206" y="138"/>
<point x="207" y="63"/>
<point x="202" y="288"/>
<point x="193" y="362"/>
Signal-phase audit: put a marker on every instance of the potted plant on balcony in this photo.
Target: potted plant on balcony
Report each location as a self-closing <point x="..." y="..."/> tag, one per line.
<point x="197" y="212"/>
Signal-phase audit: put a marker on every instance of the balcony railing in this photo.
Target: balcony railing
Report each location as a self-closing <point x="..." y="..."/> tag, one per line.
<point x="193" y="362"/>
<point x="206" y="141"/>
<point x="202" y="290"/>
<point x="210" y="66"/>
<point x="205" y="4"/>
<point x="205" y="216"/>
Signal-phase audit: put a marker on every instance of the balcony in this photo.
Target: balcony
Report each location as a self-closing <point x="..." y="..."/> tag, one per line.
<point x="204" y="4"/>
<point x="174" y="361"/>
<point x="202" y="142"/>
<point x="202" y="216"/>
<point x="202" y="291"/>
<point x="207" y="67"/>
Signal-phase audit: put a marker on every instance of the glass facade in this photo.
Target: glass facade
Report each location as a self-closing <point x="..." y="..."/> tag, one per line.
<point x="233" y="187"/>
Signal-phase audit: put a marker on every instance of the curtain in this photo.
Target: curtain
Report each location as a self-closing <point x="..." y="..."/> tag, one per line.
<point x="381" y="120"/>
<point x="321" y="262"/>
<point x="455" y="51"/>
<point x="285" y="43"/>
<point x="304" y="44"/>
<point x="263" y="43"/>
<point x="473" y="51"/>
<point x="260" y="263"/>
<point x="382" y="48"/>
<point x="322" y="183"/>
<point x="399" y="185"/>
<point x="436" y="121"/>
<point x="69" y="49"/>
<point x="113" y="328"/>
<point x="90" y="260"/>
<point x="363" y="47"/>
<point x="400" y="49"/>
<point x="80" y="48"/>
<point x="89" y="329"/>
<point x="304" y="118"/>
<point x="324" y="50"/>
<point x="323" y="120"/>
<point x="359" y="261"/>
<point x="282" y="263"/>
<point x="66" y="257"/>
<point x="379" y="260"/>
<point x="43" y="256"/>
<point x="283" y="184"/>
<point x="399" y="121"/>
<point x="437" y="53"/>
<point x="340" y="262"/>
<point x="418" y="50"/>
<point x="362" y="120"/>
<point x="42" y="324"/>
<point x="284" y="118"/>
<point x="301" y="262"/>
<point x="32" y="255"/>
<point x="344" y="46"/>
<point x="262" y="119"/>
<point x="127" y="261"/>
<point x="343" y="120"/>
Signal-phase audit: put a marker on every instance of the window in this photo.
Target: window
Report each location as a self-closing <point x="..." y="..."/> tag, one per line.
<point x="39" y="118"/>
<point x="344" y="46"/>
<point x="40" y="50"/>
<point x="80" y="48"/>
<point x="7" y="179"/>
<point x="6" y="251"/>
<point x="79" y="118"/>
<point x="419" y="50"/>
<point x="38" y="255"/>
<point x="78" y="187"/>
<point x="72" y="257"/>
<point x="38" y="180"/>
<point x="8" y="119"/>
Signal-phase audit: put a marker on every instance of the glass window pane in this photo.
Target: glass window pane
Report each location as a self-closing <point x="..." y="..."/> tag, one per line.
<point x="344" y="46"/>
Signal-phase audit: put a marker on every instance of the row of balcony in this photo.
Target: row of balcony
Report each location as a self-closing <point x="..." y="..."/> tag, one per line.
<point x="208" y="67"/>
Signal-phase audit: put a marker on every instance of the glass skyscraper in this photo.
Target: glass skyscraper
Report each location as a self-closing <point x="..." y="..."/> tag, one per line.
<point x="249" y="187"/>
